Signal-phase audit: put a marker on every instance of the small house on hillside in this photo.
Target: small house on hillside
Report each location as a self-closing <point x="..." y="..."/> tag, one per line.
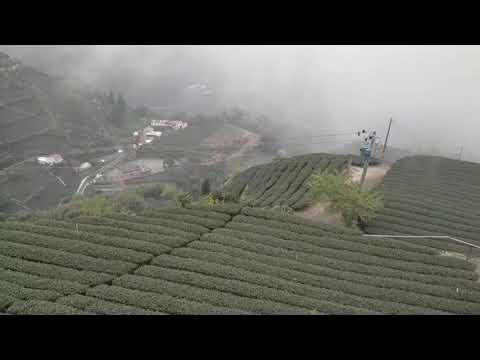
<point x="163" y="125"/>
<point x="149" y="131"/>
<point x="50" y="160"/>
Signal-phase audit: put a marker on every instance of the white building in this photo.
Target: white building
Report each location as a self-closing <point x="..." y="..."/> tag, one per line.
<point x="149" y="131"/>
<point x="172" y="124"/>
<point x="50" y="160"/>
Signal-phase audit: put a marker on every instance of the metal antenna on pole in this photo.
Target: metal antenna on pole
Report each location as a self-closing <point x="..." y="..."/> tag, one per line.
<point x="372" y="139"/>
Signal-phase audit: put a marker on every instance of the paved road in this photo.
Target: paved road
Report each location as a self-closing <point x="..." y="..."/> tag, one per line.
<point x="87" y="180"/>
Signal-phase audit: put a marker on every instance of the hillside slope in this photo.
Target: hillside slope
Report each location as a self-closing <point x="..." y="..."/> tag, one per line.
<point x="222" y="260"/>
<point x="283" y="181"/>
<point x="426" y="195"/>
<point x="42" y="114"/>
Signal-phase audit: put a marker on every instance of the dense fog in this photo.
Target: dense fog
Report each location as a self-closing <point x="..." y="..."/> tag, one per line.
<point x="428" y="90"/>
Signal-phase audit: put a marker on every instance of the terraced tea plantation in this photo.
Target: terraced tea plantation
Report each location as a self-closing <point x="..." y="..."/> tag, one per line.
<point x="283" y="182"/>
<point x="431" y="196"/>
<point x="222" y="260"/>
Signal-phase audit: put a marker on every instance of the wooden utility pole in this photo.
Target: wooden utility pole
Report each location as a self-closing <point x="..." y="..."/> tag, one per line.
<point x="386" y="138"/>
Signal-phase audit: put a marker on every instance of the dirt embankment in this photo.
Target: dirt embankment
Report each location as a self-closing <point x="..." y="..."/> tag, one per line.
<point x="374" y="177"/>
<point x="318" y="212"/>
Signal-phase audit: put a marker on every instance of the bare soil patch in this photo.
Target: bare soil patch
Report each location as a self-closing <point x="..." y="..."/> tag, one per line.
<point x="319" y="213"/>
<point x="375" y="175"/>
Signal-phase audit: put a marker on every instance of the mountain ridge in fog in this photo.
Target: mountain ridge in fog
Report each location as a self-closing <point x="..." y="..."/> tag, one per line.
<point x="429" y="90"/>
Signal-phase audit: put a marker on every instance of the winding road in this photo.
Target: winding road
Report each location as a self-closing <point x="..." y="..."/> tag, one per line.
<point x="87" y="180"/>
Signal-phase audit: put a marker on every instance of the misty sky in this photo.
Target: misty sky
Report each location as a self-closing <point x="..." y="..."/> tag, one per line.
<point x="429" y="90"/>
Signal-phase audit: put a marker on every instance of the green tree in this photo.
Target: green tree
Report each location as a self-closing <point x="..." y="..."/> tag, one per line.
<point x="130" y="201"/>
<point x="168" y="163"/>
<point x="111" y="98"/>
<point x="205" y="189"/>
<point x="94" y="206"/>
<point x="119" y="112"/>
<point x="346" y="197"/>
<point x="141" y="111"/>
<point x="183" y="198"/>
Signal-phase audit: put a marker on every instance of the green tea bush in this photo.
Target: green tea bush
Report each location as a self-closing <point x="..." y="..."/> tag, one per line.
<point x="231" y="209"/>
<point x="137" y="227"/>
<point x="41" y="283"/>
<point x="317" y="264"/>
<point x="274" y="215"/>
<point x="305" y="241"/>
<point x="174" y="224"/>
<point x="43" y="308"/>
<point x="312" y="231"/>
<point x="54" y="271"/>
<point x="251" y="290"/>
<point x="145" y="282"/>
<point x="312" y="274"/>
<point x="128" y="201"/>
<point x="391" y="301"/>
<point x="159" y="302"/>
<point x="248" y="242"/>
<point x="152" y="191"/>
<point x="191" y="219"/>
<point x="197" y="213"/>
<point x="62" y="258"/>
<point x="166" y="240"/>
<point x="92" y="237"/>
<point x="102" y="307"/>
<point x="75" y="247"/>
<point x="19" y="292"/>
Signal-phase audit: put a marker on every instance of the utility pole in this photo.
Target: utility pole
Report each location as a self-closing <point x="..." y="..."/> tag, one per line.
<point x="364" y="173"/>
<point x="386" y="138"/>
<point x="461" y="152"/>
<point x="372" y="137"/>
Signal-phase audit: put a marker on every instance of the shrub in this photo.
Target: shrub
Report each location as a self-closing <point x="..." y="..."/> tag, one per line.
<point x="346" y="197"/>
<point x="152" y="191"/>
<point x="129" y="201"/>
<point x="94" y="206"/>
<point x="183" y="199"/>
